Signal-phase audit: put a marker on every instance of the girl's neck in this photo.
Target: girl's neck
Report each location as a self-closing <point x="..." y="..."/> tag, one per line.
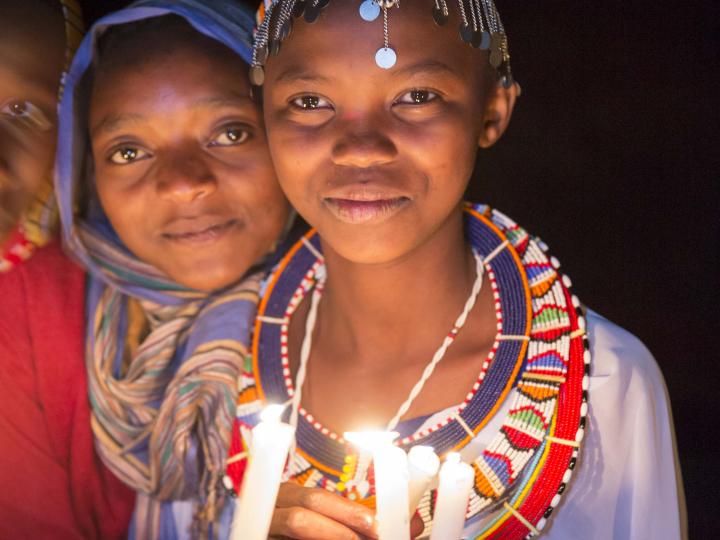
<point x="367" y="306"/>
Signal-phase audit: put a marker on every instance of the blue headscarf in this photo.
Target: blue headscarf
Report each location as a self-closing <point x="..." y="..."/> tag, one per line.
<point x="164" y="425"/>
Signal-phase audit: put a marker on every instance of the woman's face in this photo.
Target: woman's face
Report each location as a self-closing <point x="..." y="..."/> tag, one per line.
<point x="182" y="166"/>
<point x="32" y="52"/>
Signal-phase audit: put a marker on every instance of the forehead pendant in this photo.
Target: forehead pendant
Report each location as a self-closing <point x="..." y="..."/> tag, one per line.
<point x="480" y="27"/>
<point x="370" y="10"/>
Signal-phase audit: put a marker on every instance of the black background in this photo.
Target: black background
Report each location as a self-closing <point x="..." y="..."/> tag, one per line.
<point x="611" y="157"/>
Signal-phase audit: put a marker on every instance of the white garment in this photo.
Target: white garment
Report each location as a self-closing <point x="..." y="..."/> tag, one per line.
<point x="626" y="485"/>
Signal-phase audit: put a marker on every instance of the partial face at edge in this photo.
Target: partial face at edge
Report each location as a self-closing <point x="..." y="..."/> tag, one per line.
<point x="378" y="160"/>
<point x="32" y="54"/>
<point x="182" y="166"/>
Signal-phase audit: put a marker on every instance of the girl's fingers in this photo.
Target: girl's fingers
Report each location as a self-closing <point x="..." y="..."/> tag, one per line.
<point x="303" y="524"/>
<point x="350" y="514"/>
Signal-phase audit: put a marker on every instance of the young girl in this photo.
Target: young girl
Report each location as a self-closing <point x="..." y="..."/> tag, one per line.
<point x="37" y="39"/>
<point x="411" y="311"/>
<point x="169" y="200"/>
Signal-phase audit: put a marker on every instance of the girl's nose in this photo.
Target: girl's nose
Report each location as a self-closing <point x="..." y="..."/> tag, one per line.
<point x="363" y="149"/>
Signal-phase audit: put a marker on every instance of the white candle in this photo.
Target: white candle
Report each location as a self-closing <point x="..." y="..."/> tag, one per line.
<point x="254" y="508"/>
<point x="423" y="465"/>
<point x="456" y="481"/>
<point x="391" y="483"/>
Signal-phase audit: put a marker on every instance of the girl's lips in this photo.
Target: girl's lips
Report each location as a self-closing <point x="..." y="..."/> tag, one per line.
<point x="364" y="211"/>
<point x="203" y="234"/>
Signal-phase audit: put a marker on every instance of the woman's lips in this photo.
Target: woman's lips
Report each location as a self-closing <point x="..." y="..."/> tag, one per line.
<point x="201" y="233"/>
<point x="365" y="211"/>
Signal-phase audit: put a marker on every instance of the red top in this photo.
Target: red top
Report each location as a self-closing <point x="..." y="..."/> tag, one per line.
<point x="52" y="483"/>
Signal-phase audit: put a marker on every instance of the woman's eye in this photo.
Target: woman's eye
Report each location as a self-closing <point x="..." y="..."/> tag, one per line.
<point x="417" y="97"/>
<point x="127" y="155"/>
<point x="26" y="111"/>
<point x="230" y="137"/>
<point x="310" y="103"/>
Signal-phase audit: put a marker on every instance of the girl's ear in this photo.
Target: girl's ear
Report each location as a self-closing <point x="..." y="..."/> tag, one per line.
<point x="498" y="110"/>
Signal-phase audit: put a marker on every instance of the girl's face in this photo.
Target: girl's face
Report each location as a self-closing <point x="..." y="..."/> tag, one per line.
<point x="182" y="166"/>
<point x="378" y="160"/>
<point x="32" y="52"/>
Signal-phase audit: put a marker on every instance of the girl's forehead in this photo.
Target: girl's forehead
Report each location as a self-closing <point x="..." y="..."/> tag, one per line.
<point x="383" y="31"/>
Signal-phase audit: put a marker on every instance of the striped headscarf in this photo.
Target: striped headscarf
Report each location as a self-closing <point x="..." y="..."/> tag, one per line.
<point x="37" y="225"/>
<point x="163" y="424"/>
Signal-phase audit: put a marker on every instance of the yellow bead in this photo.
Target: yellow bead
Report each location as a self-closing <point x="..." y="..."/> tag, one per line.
<point x="347" y="468"/>
<point x="340" y="487"/>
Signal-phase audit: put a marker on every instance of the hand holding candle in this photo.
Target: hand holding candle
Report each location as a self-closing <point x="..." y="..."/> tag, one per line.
<point x="456" y="481"/>
<point x="271" y="441"/>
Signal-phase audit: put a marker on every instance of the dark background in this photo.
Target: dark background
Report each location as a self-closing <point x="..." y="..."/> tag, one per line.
<point x="611" y="158"/>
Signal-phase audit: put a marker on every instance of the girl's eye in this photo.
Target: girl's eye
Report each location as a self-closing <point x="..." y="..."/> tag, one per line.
<point x="417" y="97"/>
<point x="310" y="103"/>
<point x="26" y="111"/>
<point x="127" y="155"/>
<point x="230" y="136"/>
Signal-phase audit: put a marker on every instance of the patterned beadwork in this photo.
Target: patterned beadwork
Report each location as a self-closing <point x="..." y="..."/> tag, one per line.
<point x="541" y="352"/>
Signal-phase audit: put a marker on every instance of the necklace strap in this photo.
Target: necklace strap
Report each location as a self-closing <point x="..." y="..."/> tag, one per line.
<point x="427" y="372"/>
<point x="449" y="340"/>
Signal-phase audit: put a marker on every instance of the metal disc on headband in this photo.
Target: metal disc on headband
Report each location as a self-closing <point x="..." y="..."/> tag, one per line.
<point x="385" y="57"/>
<point x="311" y="13"/>
<point x="496" y="58"/>
<point x="261" y="54"/>
<point x="485" y="41"/>
<point x="496" y="39"/>
<point x="257" y="75"/>
<point x="439" y="16"/>
<point x="369" y="10"/>
<point x="466" y="33"/>
<point x="299" y="9"/>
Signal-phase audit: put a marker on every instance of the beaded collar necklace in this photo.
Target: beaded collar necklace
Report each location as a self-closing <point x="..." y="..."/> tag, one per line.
<point x="540" y="354"/>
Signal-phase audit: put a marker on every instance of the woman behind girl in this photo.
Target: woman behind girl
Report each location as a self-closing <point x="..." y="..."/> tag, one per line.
<point x="169" y="201"/>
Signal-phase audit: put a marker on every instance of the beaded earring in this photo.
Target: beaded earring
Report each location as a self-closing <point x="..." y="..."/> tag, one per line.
<point x="480" y="27"/>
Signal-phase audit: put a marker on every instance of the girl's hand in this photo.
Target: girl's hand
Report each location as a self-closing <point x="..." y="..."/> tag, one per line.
<point x="317" y="514"/>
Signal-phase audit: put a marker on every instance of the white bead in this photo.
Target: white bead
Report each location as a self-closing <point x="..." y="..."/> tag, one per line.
<point x="584" y="409"/>
<point x="567" y="476"/>
<point x="567" y="282"/>
<point x="554" y="262"/>
<point x="555" y="500"/>
<point x="585" y="382"/>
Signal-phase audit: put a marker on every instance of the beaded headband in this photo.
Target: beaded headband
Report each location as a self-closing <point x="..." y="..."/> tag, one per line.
<point x="480" y="27"/>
